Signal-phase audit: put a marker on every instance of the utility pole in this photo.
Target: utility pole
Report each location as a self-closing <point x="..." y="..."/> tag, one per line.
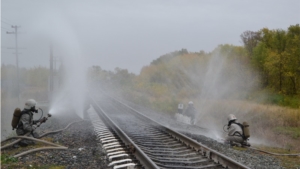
<point x="55" y="72"/>
<point x="17" y="58"/>
<point x="51" y="69"/>
<point x="56" y="61"/>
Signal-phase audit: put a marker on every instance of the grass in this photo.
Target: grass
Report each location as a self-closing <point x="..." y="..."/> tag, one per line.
<point x="239" y="148"/>
<point x="9" y="162"/>
<point x="271" y="124"/>
<point x="286" y="161"/>
<point x="269" y="97"/>
<point x="6" y="159"/>
<point x="49" y="139"/>
<point x="293" y="132"/>
<point x="30" y="166"/>
<point x="277" y="150"/>
<point x="57" y="167"/>
<point x="45" y="166"/>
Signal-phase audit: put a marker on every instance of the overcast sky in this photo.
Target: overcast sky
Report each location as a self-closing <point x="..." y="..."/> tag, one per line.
<point x="131" y="33"/>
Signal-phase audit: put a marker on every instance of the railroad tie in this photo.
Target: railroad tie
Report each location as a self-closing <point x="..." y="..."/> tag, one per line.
<point x="116" y="150"/>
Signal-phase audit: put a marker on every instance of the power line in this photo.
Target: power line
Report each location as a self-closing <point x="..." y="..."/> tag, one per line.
<point x="4" y="28"/>
<point x="6" y="23"/>
<point x="5" y="19"/>
<point x="5" y="52"/>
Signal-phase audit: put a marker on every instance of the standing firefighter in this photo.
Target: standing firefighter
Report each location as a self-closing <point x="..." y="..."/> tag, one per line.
<point x="26" y="123"/>
<point x="191" y="112"/>
<point x="237" y="132"/>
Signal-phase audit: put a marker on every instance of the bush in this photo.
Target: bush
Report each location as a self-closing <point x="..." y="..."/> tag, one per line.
<point x="275" y="99"/>
<point x="291" y="101"/>
<point x="267" y="97"/>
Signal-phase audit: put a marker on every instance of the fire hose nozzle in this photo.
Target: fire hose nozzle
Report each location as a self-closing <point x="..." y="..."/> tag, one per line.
<point x="44" y="119"/>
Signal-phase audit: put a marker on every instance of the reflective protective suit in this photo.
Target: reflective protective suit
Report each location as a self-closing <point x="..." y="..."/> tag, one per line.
<point x="235" y="134"/>
<point x="25" y="125"/>
<point x="191" y="112"/>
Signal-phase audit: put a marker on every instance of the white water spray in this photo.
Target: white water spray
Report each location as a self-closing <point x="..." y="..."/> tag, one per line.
<point x="70" y="94"/>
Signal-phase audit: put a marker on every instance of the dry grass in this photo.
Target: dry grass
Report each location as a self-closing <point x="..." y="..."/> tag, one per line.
<point x="269" y="125"/>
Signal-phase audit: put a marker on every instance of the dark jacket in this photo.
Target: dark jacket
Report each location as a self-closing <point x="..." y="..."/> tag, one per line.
<point x="25" y="123"/>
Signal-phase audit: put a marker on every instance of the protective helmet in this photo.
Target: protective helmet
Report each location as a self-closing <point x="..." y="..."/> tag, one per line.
<point x="231" y="117"/>
<point x="29" y="104"/>
<point x="191" y="103"/>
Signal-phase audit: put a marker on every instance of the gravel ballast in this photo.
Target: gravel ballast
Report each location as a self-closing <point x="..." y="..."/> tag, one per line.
<point x="83" y="150"/>
<point x="248" y="157"/>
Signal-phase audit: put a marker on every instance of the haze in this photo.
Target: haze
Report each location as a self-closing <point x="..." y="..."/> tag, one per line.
<point x="130" y="34"/>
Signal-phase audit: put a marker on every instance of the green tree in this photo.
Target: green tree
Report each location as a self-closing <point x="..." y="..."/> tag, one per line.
<point x="292" y="53"/>
<point x="277" y="58"/>
<point x="250" y="40"/>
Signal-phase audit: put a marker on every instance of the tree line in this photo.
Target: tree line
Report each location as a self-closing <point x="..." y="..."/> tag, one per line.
<point x="276" y="55"/>
<point x="269" y="61"/>
<point x="32" y="78"/>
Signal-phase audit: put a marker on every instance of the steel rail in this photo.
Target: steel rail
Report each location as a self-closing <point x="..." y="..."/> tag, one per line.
<point x="135" y="150"/>
<point x="225" y="161"/>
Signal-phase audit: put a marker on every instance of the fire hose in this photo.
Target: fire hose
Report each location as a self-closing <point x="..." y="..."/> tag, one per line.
<point x="56" y="131"/>
<point x="11" y="144"/>
<point x="58" y="147"/>
<point x="41" y="120"/>
<point x="39" y="149"/>
<point x="276" y="154"/>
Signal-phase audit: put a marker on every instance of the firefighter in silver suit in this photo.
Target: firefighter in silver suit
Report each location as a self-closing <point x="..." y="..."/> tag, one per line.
<point x="235" y="132"/>
<point x="191" y="112"/>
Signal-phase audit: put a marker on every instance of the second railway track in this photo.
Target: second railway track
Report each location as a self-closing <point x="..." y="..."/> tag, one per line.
<point x="154" y="145"/>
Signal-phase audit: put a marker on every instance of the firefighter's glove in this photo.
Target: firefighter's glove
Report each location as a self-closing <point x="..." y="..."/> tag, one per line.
<point x="34" y="127"/>
<point x="43" y="120"/>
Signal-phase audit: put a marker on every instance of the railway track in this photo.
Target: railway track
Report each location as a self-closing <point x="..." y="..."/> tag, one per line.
<point x="135" y="140"/>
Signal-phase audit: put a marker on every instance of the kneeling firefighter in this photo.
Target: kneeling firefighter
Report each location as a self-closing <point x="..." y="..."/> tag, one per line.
<point x="237" y="132"/>
<point x="24" y="123"/>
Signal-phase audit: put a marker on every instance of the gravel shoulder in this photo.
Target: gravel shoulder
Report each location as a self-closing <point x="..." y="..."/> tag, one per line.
<point x="83" y="150"/>
<point x="248" y="157"/>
